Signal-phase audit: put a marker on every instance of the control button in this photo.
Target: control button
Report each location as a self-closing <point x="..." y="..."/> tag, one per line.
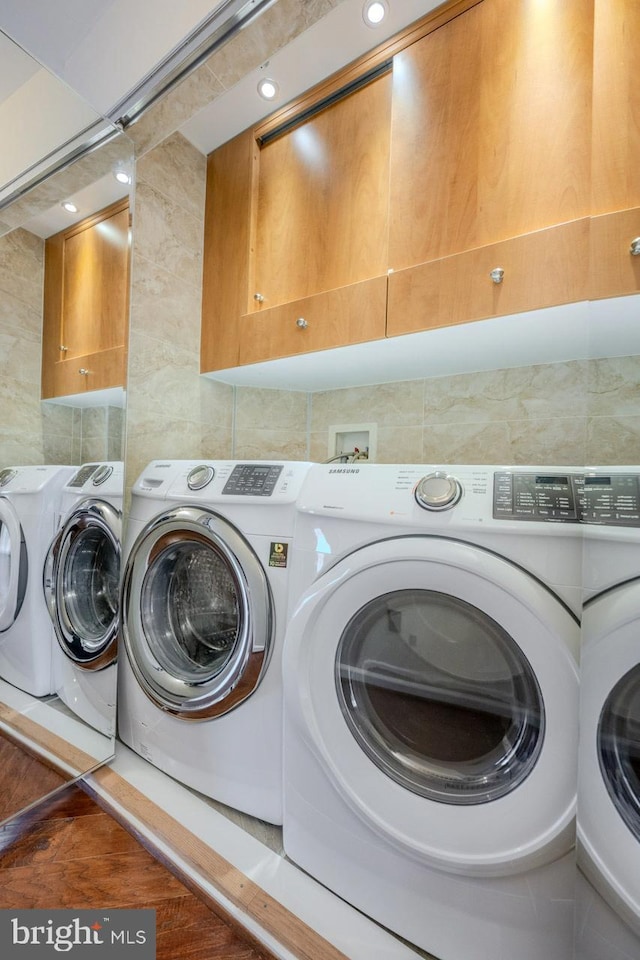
<point x="438" y="491"/>
<point x="200" y="476"/>
<point x="102" y="473"/>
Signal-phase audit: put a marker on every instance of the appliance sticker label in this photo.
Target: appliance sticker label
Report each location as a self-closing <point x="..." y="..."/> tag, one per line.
<point x="278" y="554"/>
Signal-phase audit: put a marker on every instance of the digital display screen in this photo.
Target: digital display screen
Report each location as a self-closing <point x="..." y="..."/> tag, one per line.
<point x="553" y="480"/>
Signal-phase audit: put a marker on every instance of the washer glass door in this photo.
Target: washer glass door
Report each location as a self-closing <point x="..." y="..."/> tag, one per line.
<point x="440" y="696"/>
<point x="197" y="614"/>
<point x="87" y="584"/>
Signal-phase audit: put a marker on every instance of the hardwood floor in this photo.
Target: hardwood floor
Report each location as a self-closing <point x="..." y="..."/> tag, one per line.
<point x="67" y="852"/>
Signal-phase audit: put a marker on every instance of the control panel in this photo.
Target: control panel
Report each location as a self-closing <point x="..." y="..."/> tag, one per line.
<point x="84" y="473"/>
<point x="612" y="499"/>
<point x="252" y="480"/>
<point x="536" y="496"/>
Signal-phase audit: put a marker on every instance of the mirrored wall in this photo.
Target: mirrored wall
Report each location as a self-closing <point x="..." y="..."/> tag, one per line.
<point x="62" y="391"/>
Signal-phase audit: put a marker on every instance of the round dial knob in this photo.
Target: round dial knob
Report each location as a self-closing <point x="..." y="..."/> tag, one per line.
<point x="102" y="473"/>
<point x="438" y="491"/>
<point x="200" y="476"/>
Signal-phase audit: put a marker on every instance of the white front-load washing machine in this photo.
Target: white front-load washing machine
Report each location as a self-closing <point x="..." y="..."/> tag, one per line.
<point x="205" y="592"/>
<point x="29" y="511"/>
<point x="609" y="754"/>
<point x="82" y="590"/>
<point x="431" y="702"/>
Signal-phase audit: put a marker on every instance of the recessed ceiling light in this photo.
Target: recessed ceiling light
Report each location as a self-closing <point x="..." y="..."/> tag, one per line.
<point x="122" y="176"/>
<point x="268" y="89"/>
<point x="374" y="12"/>
<point x="70" y="207"/>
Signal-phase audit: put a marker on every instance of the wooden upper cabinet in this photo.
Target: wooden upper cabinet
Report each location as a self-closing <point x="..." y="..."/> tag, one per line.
<point x="615" y="227"/>
<point x="323" y="200"/>
<point x="491" y="128"/>
<point x="496" y="135"/>
<point x="227" y="224"/>
<point x="86" y="302"/>
<point x="491" y="141"/>
<point x="292" y="220"/>
<point x="616" y="106"/>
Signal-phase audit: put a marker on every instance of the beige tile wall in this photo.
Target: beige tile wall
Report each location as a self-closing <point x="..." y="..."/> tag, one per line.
<point x="613" y="406"/>
<point x="81" y="435"/>
<point x="575" y="412"/>
<point x="270" y="424"/>
<point x="569" y="413"/>
<point x="171" y="410"/>
<point x="21" y="275"/>
<point x="523" y="415"/>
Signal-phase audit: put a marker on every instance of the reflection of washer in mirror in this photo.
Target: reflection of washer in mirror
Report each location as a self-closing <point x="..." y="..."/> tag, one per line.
<point x="29" y="507"/>
<point x="82" y="584"/>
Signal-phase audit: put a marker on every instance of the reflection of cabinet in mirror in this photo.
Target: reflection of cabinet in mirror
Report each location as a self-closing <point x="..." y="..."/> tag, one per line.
<point x="86" y="299"/>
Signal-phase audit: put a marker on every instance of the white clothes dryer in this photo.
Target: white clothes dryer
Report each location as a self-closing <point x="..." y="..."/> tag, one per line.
<point x="609" y="755"/>
<point x="82" y="590"/>
<point x="29" y="511"/>
<point x="431" y="702"/>
<point x="205" y="593"/>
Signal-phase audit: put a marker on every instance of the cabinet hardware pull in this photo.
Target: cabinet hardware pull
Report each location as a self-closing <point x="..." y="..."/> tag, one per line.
<point x="497" y="275"/>
<point x="84" y="372"/>
<point x="258" y="298"/>
<point x="62" y="348"/>
<point x="635" y="247"/>
<point x="302" y="323"/>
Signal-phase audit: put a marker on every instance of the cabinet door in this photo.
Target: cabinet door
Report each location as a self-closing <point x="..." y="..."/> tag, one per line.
<point x="616" y="106"/>
<point x="93" y="371"/>
<point x="86" y="304"/>
<point x="540" y="269"/>
<point x="615" y="268"/>
<point x="226" y="251"/>
<point x="352" y="314"/>
<point x="95" y="286"/>
<point x="321" y="216"/>
<point x="491" y="129"/>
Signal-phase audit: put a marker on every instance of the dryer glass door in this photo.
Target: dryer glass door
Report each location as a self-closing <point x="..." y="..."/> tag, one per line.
<point x="197" y="614"/>
<point x="13" y="565"/>
<point x="439" y="696"/>
<point x="87" y="584"/>
<point x="619" y="748"/>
